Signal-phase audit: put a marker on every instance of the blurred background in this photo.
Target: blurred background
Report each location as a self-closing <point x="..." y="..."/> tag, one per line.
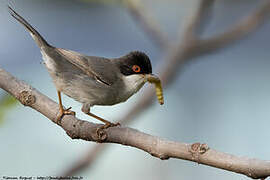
<point x="222" y="98"/>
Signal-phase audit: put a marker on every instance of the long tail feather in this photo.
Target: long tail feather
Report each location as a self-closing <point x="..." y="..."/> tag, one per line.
<point x="36" y="36"/>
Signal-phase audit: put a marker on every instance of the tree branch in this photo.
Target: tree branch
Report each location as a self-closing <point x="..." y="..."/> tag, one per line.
<point x="147" y="22"/>
<point x="241" y="29"/>
<point x="91" y="155"/>
<point x="157" y="147"/>
<point x="187" y="49"/>
<point x="200" y="18"/>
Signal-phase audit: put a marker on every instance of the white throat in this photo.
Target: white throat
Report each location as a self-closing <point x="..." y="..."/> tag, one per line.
<point x="133" y="83"/>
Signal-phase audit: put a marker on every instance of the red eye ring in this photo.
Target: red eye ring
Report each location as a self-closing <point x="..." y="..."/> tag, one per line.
<point x="136" y="68"/>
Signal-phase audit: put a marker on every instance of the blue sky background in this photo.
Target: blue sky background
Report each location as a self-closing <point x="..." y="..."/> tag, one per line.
<point x="223" y="99"/>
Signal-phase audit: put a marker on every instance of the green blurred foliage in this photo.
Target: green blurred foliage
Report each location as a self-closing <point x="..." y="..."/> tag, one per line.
<point x="6" y="103"/>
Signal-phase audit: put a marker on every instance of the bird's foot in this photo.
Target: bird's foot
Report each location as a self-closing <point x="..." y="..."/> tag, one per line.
<point x="64" y="112"/>
<point x="102" y="135"/>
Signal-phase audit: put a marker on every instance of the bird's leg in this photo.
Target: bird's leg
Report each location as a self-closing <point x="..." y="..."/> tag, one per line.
<point x="62" y="110"/>
<point x="107" y="123"/>
<point x="86" y="110"/>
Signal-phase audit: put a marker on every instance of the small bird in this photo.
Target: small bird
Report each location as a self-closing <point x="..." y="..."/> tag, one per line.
<point x="93" y="80"/>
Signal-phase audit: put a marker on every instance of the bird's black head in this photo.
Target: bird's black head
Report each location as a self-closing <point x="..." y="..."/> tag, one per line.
<point x="135" y="62"/>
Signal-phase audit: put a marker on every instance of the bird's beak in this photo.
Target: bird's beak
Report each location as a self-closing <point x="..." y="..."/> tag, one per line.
<point x="151" y="78"/>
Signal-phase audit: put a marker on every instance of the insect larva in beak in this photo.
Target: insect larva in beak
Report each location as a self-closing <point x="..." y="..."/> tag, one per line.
<point x="154" y="79"/>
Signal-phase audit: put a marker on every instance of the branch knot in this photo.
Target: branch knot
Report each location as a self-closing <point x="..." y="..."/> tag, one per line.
<point x="26" y="98"/>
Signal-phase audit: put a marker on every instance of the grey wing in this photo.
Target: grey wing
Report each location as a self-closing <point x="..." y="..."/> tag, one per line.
<point x="99" y="68"/>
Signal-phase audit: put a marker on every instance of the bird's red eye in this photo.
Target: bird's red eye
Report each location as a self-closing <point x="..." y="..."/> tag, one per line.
<point x="136" y="68"/>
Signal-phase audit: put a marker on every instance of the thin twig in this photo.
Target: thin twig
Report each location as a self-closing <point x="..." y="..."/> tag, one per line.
<point x="241" y="29"/>
<point x="147" y="22"/>
<point x="200" y="18"/>
<point x="157" y="147"/>
<point x="89" y="156"/>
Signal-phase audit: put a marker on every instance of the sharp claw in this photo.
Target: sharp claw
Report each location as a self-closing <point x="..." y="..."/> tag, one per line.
<point x="112" y="124"/>
<point x="117" y="124"/>
<point x="108" y="125"/>
<point x="102" y="135"/>
<point x="68" y="112"/>
<point x="64" y="112"/>
<point x="59" y="117"/>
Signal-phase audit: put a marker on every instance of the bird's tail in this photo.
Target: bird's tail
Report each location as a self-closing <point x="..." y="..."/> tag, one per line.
<point x="35" y="35"/>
